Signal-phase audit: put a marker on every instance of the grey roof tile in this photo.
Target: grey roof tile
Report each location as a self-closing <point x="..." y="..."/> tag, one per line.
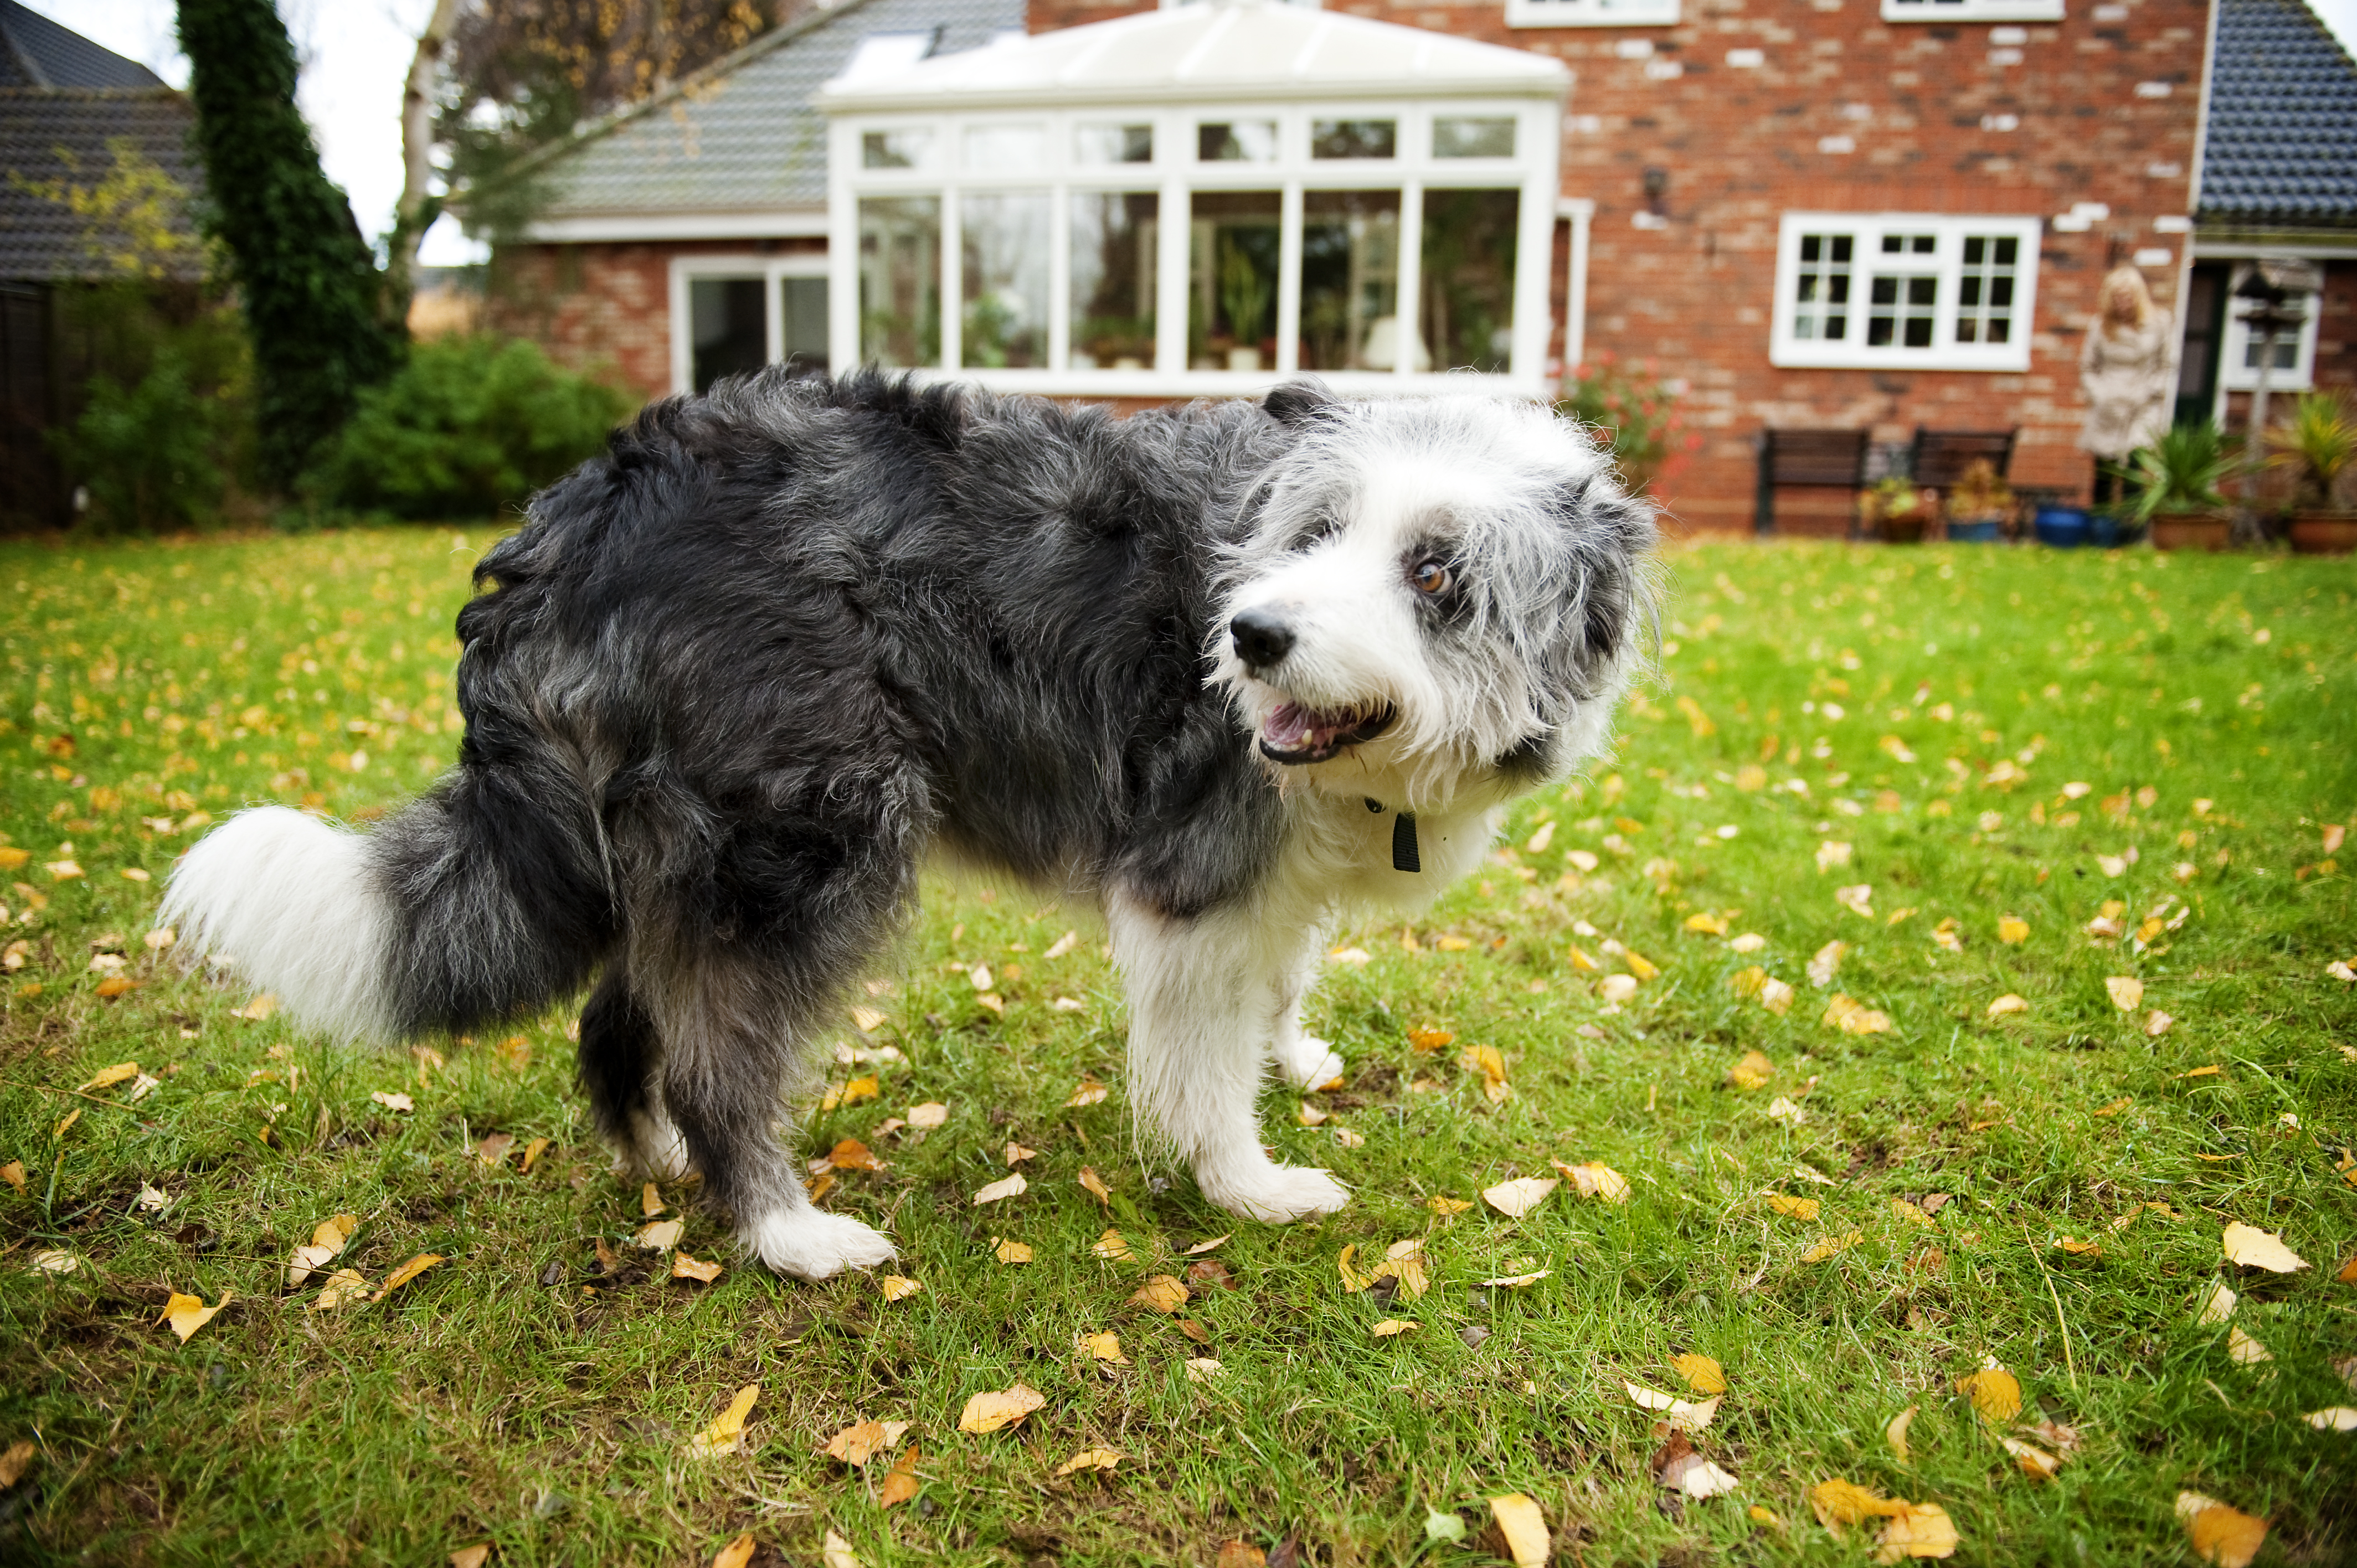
<point x="2282" y="144"/>
<point x="745" y="137"/>
<point x="53" y="133"/>
<point x="38" y="52"/>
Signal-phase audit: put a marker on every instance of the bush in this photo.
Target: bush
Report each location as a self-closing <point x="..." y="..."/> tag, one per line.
<point x="1636" y="413"/>
<point x="469" y="426"/>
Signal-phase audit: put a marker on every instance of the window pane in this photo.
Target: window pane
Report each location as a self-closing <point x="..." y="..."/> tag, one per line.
<point x="1900" y="310"/>
<point x="1236" y="142"/>
<point x="1820" y="291"/>
<point x="1472" y="138"/>
<point x="900" y="280"/>
<point x="727" y="326"/>
<point x="805" y="324"/>
<point x="1353" y="138"/>
<point x="1006" y="149"/>
<point x="1115" y="236"/>
<point x="1985" y="290"/>
<point x="1113" y="143"/>
<point x="1467" y="305"/>
<point x="1349" y="281"/>
<point x="895" y="149"/>
<point x="1231" y="280"/>
<point x="1004" y="238"/>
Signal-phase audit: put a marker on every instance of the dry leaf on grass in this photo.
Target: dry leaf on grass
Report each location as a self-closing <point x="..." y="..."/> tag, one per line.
<point x="1389" y="1327"/>
<point x="344" y="1287"/>
<point x="684" y="1267"/>
<point x="2034" y="1461"/>
<point x="395" y="1101"/>
<point x="14" y="1461"/>
<point x="1089" y="1459"/>
<point x="1007" y="1251"/>
<point x="1517" y="1198"/>
<point x="1594" y="1178"/>
<point x="837" y="1553"/>
<point x="475" y="1556"/>
<point x="1776" y="996"/>
<point x="858" y="1445"/>
<point x="328" y="1239"/>
<point x="1440" y="1205"/>
<point x="406" y="1272"/>
<point x="851" y="1154"/>
<point x="1854" y="1017"/>
<point x="1752" y="1072"/>
<point x="2126" y="991"/>
<point x="736" y="1554"/>
<point x="928" y="1116"/>
<point x="900" y="1482"/>
<point x="1105" y="1347"/>
<point x="1016" y="1154"/>
<point x="2220" y="1534"/>
<point x="1003" y="1407"/>
<point x="898" y="1287"/>
<point x="1112" y="1247"/>
<point x="1702" y="1374"/>
<point x="1090" y="1092"/>
<point x="651" y="1201"/>
<point x="1794" y="1208"/>
<point x="186" y="1314"/>
<point x="1513" y="1281"/>
<point x="1202" y="1368"/>
<point x="1095" y="1186"/>
<point x="1825" y="961"/>
<point x="1199" y="1247"/>
<point x="1919" y="1529"/>
<point x="660" y="1236"/>
<point x="1682" y="1415"/>
<point x="110" y="1076"/>
<point x="2244" y="1350"/>
<point x="2012" y="930"/>
<point x="728" y="1429"/>
<point x="1163" y="1293"/>
<point x="2332" y="1418"/>
<point x="1838" y="1502"/>
<point x="1894" y="1431"/>
<point x="2008" y="1003"/>
<point x="1011" y="1186"/>
<point x="1995" y="1393"/>
<point x="1832" y="1247"/>
<point x="1523" y="1529"/>
<point x="1240" y="1554"/>
<point x="13" y="1173"/>
<point x="2257" y="1249"/>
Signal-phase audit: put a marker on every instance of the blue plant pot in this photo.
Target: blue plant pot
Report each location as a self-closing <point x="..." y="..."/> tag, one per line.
<point x="1975" y="532"/>
<point x="2068" y="528"/>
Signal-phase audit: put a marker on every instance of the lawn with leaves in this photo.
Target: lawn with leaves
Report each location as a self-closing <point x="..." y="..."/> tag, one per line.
<point x="1750" y="979"/>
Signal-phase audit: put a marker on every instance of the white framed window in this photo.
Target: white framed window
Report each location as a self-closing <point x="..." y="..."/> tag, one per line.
<point x="1972" y="10"/>
<point x="2294" y="358"/>
<point x="734" y="314"/>
<point x="1907" y="291"/>
<point x="1200" y="247"/>
<point x="1592" y="13"/>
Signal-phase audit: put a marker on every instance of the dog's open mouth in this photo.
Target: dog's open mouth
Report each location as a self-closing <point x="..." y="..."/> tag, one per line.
<point x="1294" y="734"/>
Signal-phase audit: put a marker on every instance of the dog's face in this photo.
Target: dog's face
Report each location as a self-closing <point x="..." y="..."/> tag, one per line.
<point x="1437" y="596"/>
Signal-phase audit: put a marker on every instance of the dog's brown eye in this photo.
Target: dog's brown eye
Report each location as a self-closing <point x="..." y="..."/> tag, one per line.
<point x="1431" y="577"/>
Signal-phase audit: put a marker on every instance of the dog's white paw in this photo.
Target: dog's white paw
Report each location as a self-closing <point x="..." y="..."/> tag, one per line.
<point x="1279" y="1194"/>
<point x="812" y="1244"/>
<point x="654" y="1151"/>
<point x="1309" y="1062"/>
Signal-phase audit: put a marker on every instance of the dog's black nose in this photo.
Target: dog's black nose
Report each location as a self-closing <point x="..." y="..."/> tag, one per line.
<point x="1263" y="639"/>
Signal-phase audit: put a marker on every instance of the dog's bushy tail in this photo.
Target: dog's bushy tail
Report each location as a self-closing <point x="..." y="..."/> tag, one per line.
<point x="485" y="898"/>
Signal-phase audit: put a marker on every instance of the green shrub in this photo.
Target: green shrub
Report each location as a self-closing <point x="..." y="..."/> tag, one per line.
<point x="1636" y="413"/>
<point x="469" y="426"/>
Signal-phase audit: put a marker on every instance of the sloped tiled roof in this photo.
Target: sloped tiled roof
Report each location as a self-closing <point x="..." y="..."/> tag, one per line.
<point x="49" y="134"/>
<point x="744" y="135"/>
<point x="36" y="52"/>
<point x="2282" y="145"/>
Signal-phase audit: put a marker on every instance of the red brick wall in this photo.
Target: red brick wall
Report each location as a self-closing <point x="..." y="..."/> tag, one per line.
<point x="605" y="307"/>
<point x="1740" y="148"/>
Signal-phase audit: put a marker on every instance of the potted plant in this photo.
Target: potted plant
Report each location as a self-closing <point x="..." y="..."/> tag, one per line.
<point x="1896" y="510"/>
<point x="2172" y="487"/>
<point x="1980" y="504"/>
<point x="2319" y="445"/>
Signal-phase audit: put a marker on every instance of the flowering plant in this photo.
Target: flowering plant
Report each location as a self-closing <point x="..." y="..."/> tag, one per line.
<point x="1635" y="413"/>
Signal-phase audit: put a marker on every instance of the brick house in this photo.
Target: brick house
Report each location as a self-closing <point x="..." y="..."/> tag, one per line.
<point x="1878" y="214"/>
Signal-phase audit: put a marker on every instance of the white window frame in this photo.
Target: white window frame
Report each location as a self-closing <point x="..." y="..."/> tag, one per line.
<point x="2235" y="375"/>
<point x="1592" y="13"/>
<point x="1944" y="353"/>
<point x="1173" y="174"/>
<point x="769" y="269"/>
<point x="1972" y="10"/>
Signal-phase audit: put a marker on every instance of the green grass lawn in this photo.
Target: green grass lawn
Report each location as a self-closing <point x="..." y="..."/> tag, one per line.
<point x="1992" y="733"/>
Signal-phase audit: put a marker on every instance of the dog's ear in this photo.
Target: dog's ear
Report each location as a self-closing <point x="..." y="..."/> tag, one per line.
<point x="1297" y="401"/>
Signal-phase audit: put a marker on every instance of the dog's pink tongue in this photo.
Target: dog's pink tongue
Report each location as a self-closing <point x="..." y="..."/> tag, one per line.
<point x="1289" y="727"/>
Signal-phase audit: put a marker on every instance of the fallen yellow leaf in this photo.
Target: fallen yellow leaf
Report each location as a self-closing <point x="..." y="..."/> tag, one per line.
<point x="13" y="1173"/>
<point x="1794" y="1208"/>
<point x="2034" y="1461"/>
<point x="1919" y="1529"/>
<point x="2257" y="1249"/>
<point x="728" y="1429"/>
<point x="1752" y="1072"/>
<point x="736" y="1554"/>
<point x="1090" y="1092"/>
<point x="1832" y="1247"/>
<point x="1517" y="1198"/>
<point x="1003" y="1407"/>
<point x="108" y="1076"/>
<point x="1596" y="1180"/>
<point x="1010" y="1187"/>
<point x="1202" y="1368"/>
<point x="2008" y="1003"/>
<point x="1010" y="1252"/>
<point x="651" y="1201"/>
<point x="1854" y="1017"/>
<point x="2126" y="991"/>
<point x="1095" y="1186"/>
<point x="1640" y="966"/>
<point x="1995" y="1393"/>
<point x="2220" y="1534"/>
<point x="928" y="1116"/>
<point x="1524" y="1527"/>
<point x="1703" y="1375"/>
<point x="475" y="1556"/>
<point x="837" y="1553"/>
<point x="661" y="1235"/>
<point x="1389" y="1327"/>
<point x="1163" y="1293"/>
<point x="2244" y="1350"/>
<point x="850" y="1154"/>
<point x="900" y="1482"/>
<point x="1112" y="1247"/>
<point x="1894" y="1431"/>
<point x="1199" y="1247"/>
<point x="531" y="1152"/>
<point x="344" y="1287"/>
<point x="1089" y="1459"/>
<point x="898" y="1287"/>
<point x="186" y="1314"/>
<point x="406" y="1272"/>
<point x="2012" y="930"/>
<point x="1838" y="1502"/>
<point x="1105" y="1347"/>
<point x="858" y="1444"/>
<point x="328" y="1239"/>
<point x="1438" y="1204"/>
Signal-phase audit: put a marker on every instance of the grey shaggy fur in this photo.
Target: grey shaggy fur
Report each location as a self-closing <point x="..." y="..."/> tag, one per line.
<point x="735" y="679"/>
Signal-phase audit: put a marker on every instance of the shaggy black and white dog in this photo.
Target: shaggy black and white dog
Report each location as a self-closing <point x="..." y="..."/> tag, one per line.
<point x="1233" y="671"/>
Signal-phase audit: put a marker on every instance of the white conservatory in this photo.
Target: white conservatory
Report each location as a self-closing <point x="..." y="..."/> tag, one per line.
<point x="1199" y="199"/>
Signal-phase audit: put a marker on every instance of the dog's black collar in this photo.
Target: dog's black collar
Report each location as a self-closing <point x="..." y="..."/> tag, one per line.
<point x="1403" y="847"/>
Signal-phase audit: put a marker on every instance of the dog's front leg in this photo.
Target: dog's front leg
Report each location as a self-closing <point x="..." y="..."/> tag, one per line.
<point x="1201" y="991"/>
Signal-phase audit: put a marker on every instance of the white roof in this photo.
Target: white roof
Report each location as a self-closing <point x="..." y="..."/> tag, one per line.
<point x="1213" y="50"/>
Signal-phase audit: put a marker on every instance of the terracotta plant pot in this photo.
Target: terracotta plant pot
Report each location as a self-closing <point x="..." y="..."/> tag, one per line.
<point x="1901" y="527"/>
<point x="2324" y="533"/>
<point x="2189" y="530"/>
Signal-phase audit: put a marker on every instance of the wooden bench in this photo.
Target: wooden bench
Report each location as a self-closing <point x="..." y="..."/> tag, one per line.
<point x="1939" y="457"/>
<point x="1815" y="459"/>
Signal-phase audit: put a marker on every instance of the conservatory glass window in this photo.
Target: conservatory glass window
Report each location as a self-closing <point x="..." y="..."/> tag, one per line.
<point x="900" y="280"/>
<point x="1236" y="141"/>
<point x="1005" y="236"/>
<point x="1233" y="279"/>
<point x="1116" y="241"/>
<point x="1350" y="279"/>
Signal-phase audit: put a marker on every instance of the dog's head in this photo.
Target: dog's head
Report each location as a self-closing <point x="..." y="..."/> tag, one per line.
<point x="1435" y="596"/>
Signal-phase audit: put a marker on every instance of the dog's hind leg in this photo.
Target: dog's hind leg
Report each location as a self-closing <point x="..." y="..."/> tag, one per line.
<point x="620" y="1054"/>
<point x="1206" y="996"/>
